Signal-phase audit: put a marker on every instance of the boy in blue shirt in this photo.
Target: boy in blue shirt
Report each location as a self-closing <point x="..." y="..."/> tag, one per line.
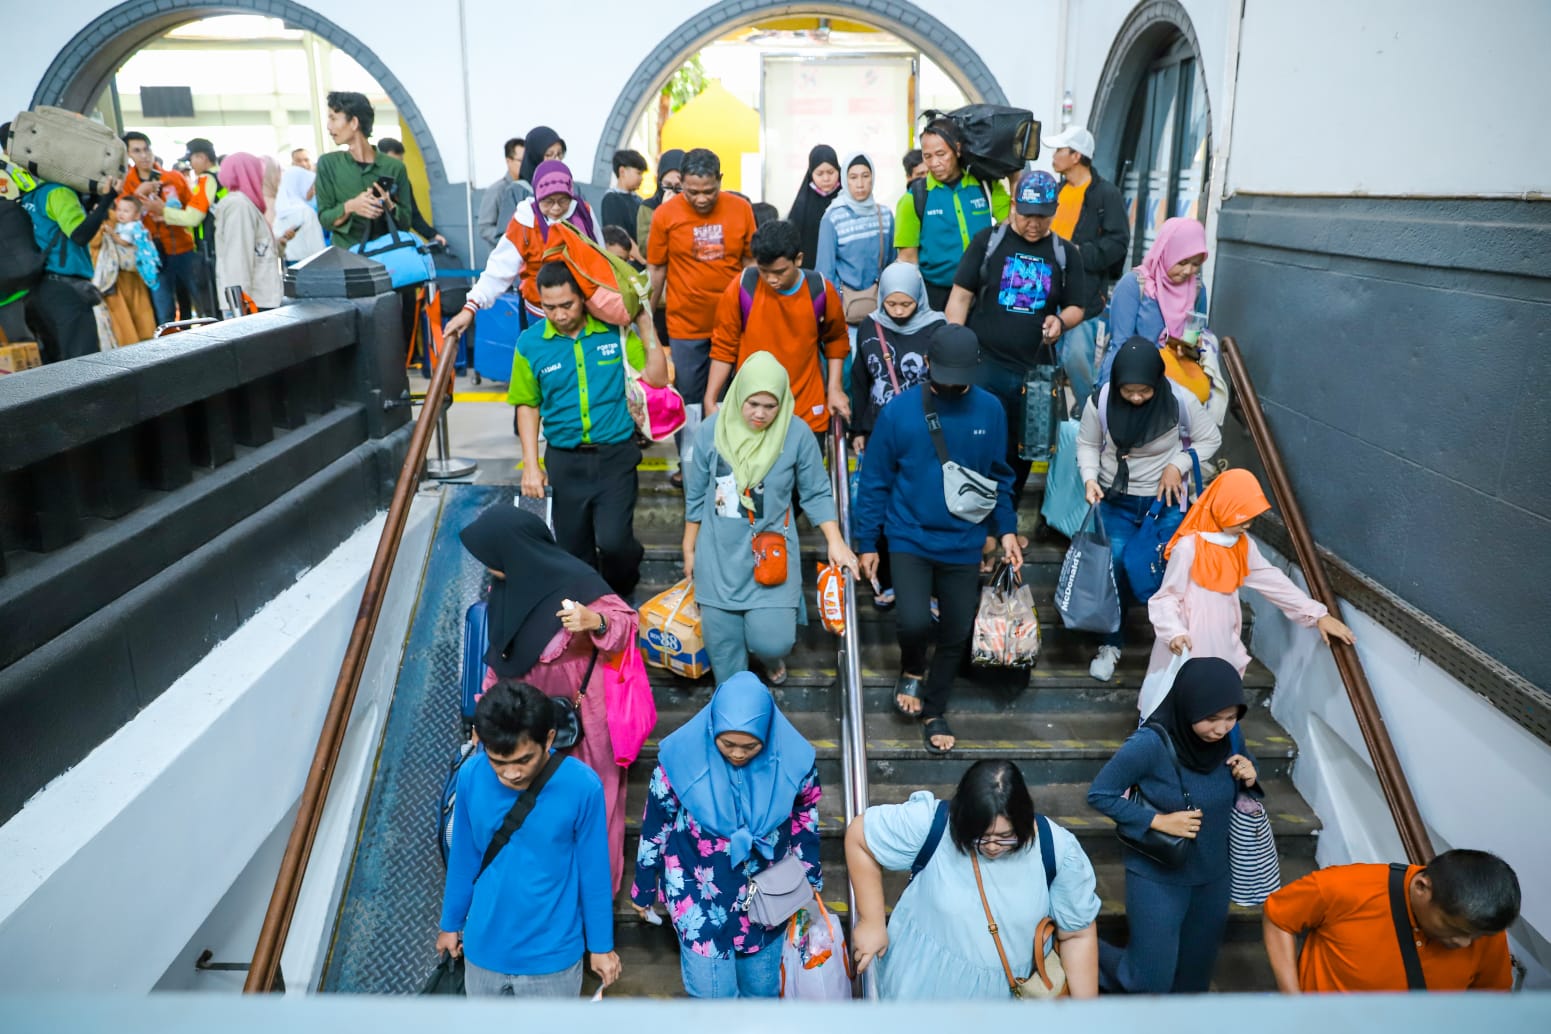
<point x="523" y="922"/>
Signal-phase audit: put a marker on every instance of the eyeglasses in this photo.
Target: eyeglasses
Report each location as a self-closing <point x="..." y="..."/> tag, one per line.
<point x="996" y="842"/>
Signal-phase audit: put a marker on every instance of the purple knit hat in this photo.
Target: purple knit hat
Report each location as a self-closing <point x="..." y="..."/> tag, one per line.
<point x="552" y="177"/>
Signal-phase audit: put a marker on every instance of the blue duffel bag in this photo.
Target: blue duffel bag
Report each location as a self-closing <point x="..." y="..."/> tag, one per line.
<point x="495" y="337"/>
<point x="1142" y="559"/>
<point x="408" y="261"/>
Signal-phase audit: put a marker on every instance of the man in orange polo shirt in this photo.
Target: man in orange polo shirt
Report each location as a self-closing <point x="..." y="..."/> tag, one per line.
<point x="171" y="212"/>
<point x="698" y="244"/>
<point x="778" y="310"/>
<point x="1456" y="909"/>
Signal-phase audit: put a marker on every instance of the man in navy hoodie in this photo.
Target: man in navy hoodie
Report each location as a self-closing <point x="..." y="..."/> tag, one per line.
<point x="933" y="552"/>
<point x="523" y="922"/>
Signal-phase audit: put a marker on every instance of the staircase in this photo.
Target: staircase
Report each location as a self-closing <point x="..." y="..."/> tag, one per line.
<point x="1060" y="730"/>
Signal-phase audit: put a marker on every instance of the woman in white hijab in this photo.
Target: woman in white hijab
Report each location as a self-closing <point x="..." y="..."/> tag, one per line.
<point x="856" y="240"/>
<point x="296" y="217"/>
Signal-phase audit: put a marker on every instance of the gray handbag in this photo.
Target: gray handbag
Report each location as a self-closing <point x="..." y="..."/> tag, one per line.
<point x="779" y="892"/>
<point x="970" y="496"/>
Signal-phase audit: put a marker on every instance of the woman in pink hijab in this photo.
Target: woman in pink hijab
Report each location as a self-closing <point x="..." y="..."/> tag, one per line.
<point x="245" y="252"/>
<point x="1155" y="299"/>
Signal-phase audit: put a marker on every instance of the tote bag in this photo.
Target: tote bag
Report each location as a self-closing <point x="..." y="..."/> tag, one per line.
<point x="630" y="707"/>
<point x="1086" y="596"/>
<point x="1065" y="503"/>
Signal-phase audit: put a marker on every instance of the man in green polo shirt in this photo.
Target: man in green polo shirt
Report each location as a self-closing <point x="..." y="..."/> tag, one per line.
<point x="938" y="215"/>
<point x="569" y="375"/>
<point x="353" y="202"/>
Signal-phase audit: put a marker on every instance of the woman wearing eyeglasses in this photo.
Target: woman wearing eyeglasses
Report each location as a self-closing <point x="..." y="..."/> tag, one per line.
<point x="978" y="853"/>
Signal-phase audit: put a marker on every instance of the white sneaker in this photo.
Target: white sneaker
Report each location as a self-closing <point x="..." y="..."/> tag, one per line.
<point x="1103" y="666"/>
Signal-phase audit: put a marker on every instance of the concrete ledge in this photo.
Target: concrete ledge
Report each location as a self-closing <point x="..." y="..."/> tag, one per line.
<point x="108" y="872"/>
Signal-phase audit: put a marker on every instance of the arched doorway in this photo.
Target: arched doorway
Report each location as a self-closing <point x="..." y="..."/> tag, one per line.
<point x="932" y="37"/>
<point x="1152" y="120"/>
<point x="81" y="71"/>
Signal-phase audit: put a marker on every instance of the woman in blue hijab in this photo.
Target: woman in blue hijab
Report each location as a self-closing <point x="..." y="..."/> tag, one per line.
<point x="735" y="791"/>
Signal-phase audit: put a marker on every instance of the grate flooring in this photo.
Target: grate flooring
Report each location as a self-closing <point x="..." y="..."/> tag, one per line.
<point x="388" y="920"/>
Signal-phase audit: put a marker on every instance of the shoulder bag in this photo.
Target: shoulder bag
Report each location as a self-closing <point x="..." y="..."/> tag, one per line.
<point x="568" y="718"/>
<point x="1164" y="849"/>
<point x="1415" y="980"/>
<point x="447" y="978"/>
<point x="1049" y="977"/>
<point x="779" y="892"/>
<point x="770" y="552"/>
<point x="862" y="302"/>
<point x="970" y="496"/>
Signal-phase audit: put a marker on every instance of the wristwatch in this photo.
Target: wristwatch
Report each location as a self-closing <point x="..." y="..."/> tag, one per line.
<point x="603" y="625"/>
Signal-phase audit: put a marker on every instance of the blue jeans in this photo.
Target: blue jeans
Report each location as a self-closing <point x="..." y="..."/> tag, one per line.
<point x="567" y="983"/>
<point x="1075" y="351"/>
<point x="1122" y="517"/>
<point x="181" y="275"/>
<point x="740" y="976"/>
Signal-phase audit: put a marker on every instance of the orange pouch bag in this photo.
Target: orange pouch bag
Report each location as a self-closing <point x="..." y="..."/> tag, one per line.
<point x="832" y="598"/>
<point x="770" y="553"/>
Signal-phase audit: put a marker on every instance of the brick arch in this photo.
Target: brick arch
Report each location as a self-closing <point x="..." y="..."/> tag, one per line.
<point x="900" y="17"/>
<point x="80" y="72"/>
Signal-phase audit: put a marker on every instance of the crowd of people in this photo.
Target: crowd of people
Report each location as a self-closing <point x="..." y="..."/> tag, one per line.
<point x="918" y="325"/>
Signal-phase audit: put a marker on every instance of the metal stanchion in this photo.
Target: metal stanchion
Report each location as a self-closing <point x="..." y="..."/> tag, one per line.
<point x="443" y="467"/>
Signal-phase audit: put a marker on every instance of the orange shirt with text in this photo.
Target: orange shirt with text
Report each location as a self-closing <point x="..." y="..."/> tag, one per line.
<point x="702" y="255"/>
<point x="1351" y="943"/>
<point x="784" y="326"/>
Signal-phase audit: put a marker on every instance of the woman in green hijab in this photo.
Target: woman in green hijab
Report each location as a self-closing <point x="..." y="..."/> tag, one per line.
<point x="749" y="461"/>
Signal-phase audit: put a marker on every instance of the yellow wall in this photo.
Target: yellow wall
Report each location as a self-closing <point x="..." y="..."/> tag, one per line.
<point x="718" y="120"/>
<point x="414" y="164"/>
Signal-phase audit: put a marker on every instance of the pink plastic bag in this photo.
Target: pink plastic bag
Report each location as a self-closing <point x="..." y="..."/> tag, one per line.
<point x="631" y="709"/>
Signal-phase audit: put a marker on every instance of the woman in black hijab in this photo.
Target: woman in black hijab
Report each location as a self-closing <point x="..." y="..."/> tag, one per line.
<point x="670" y="176"/>
<point x="566" y="651"/>
<point x="540" y="145"/>
<point x="1177" y="916"/>
<point x="1138" y="442"/>
<point x="819" y="187"/>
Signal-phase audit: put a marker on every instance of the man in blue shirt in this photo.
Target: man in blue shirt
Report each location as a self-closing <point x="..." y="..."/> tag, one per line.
<point x="569" y="375"/>
<point x="523" y="922"/>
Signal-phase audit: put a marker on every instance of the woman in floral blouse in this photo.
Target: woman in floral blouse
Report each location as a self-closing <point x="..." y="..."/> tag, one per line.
<point x="735" y="790"/>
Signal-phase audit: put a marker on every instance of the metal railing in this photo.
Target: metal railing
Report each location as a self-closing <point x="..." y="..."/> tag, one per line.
<point x="1381" y="750"/>
<point x="853" y="728"/>
<point x="293" y="865"/>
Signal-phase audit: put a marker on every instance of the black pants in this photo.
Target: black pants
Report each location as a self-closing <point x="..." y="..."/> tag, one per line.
<point x="64" y="321"/>
<point x="595" y="494"/>
<point x="957" y="588"/>
<point x="1007" y="385"/>
<point x="937" y="295"/>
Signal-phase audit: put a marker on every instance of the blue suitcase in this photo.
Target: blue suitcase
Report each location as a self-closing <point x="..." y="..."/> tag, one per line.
<point x="476" y="639"/>
<point x="495" y="337"/>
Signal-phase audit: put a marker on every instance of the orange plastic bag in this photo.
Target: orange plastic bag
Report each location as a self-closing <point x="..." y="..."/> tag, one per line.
<point x="832" y="598"/>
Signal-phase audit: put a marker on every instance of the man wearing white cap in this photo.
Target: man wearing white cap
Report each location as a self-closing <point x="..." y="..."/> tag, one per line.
<point x="1092" y="215"/>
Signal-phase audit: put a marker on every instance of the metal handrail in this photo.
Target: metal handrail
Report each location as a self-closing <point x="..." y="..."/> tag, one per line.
<point x="853" y="729"/>
<point x="1381" y="750"/>
<point x="304" y="831"/>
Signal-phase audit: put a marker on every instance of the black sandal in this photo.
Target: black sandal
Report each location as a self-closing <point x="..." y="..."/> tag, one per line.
<point x="936" y="727"/>
<point x="907" y="686"/>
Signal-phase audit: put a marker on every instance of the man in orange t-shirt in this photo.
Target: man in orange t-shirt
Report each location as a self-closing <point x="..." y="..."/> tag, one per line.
<point x="1457" y="907"/>
<point x="783" y="319"/>
<point x="698" y="244"/>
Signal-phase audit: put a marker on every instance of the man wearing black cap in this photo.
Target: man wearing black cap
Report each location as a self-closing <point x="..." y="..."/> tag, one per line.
<point x="202" y="162"/>
<point x="936" y="483"/>
<point x="1019" y="287"/>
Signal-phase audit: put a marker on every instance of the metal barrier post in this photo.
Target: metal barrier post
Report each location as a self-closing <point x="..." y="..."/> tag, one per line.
<point x="445" y="467"/>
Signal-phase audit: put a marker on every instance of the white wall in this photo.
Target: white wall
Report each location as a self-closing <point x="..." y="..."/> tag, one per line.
<point x="1409" y="97"/>
<point x="1479" y="779"/>
<point x="143" y="854"/>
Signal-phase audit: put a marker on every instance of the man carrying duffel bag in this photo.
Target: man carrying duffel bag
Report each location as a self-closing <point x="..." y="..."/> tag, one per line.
<point x="60" y="306"/>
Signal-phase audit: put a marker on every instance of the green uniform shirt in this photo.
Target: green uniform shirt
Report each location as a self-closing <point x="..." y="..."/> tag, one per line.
<point x="340" y="179"/>
<point x="577" y="385"/>
<point x="953" y="215"/>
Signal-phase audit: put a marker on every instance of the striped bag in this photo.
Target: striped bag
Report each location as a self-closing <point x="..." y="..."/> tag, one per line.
<point x="1252" y="860"/>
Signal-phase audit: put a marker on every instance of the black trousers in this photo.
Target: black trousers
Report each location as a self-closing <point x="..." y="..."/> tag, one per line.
<point x="64" y="322"/>
<point x="595" y="494"/>
<point x="957" y="588"/>
<point x="937" y="295"/>
<point x="1007" y="385"/>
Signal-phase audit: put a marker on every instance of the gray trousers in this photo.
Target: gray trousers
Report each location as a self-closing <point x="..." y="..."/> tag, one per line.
<point x="768" y="633"/>
<point x="565" y="984"/>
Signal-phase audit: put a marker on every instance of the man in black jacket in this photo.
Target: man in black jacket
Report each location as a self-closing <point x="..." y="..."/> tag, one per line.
<point x="1092" y="215"/>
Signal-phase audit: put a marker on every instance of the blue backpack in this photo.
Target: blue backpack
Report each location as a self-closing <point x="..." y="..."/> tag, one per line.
<point x="1047" y="850"/>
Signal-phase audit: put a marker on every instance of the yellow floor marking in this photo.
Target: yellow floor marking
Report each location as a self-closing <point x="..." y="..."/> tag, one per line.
<point x="479" y="396"/>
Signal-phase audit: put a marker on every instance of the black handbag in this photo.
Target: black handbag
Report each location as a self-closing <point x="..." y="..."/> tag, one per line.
<point x="568" y="720"/>
<point x="447" y="978"/>
<point x="1165" y="849"/>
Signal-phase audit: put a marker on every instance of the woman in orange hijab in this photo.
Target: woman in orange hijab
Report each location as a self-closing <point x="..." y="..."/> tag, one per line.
<point x="1210" y="557"/>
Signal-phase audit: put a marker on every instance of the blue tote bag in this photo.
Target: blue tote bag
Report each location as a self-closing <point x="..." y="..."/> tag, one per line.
<point x="1065" y="502"/>
<point x="1143" y="560"/>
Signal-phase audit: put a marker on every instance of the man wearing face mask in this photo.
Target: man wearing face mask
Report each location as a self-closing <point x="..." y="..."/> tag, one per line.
<point x="934" y="447"/>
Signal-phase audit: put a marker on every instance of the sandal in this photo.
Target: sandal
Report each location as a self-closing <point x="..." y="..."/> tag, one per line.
<point x="908" y="686"/>
<point x="676" y="479"/>
<point x="776" y="676"/>
<point x="883" y="600"/>
<point x="936" y="727"/>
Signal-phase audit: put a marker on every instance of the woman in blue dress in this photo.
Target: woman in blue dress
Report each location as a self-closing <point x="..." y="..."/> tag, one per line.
<point x="936" y="945"/>
<point x="734" y="792"/>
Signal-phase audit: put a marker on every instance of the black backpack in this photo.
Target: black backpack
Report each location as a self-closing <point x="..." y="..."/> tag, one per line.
<point x="998" y="140"/>
<point x="21" y="263"/>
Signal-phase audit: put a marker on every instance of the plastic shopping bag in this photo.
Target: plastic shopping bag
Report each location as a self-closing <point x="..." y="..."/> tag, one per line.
<point x="1086" y="596"/>
<point x="1157" y="684"/>
<point x="815" y="965"/>
<point x="1006" y="632"/>
<point x="1064" y="506"/>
